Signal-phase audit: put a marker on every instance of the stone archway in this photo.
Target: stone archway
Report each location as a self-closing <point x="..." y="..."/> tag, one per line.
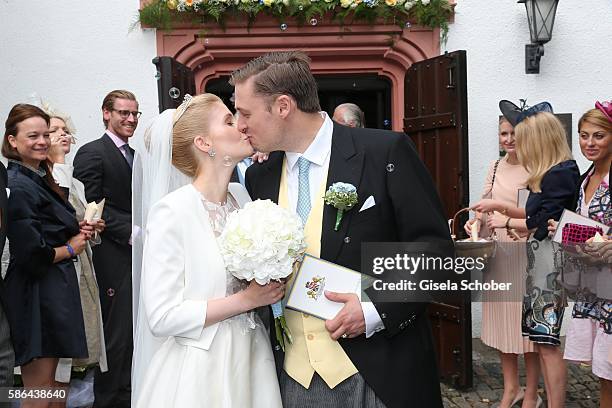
<point x="356" y="48"/>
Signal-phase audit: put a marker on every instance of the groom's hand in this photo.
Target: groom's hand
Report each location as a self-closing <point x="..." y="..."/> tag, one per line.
<point x="349" y="322"/>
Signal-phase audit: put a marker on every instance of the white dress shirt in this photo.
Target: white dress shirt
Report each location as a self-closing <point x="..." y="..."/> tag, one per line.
<point x="241" y="168"/>
<point x="318" y="154"/>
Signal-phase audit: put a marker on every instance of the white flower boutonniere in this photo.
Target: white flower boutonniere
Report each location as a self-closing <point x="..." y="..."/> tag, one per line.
<point x="343" y="197"/>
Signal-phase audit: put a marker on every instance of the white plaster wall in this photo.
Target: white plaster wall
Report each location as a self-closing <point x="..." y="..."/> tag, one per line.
<point x="73" y="53"/>
<point x="574" y="72"/>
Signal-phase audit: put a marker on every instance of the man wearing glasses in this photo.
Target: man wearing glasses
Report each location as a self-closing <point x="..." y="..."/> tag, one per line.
<point x="104" y="166"/>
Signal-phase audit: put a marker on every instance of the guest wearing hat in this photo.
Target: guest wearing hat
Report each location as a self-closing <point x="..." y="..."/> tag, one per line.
<point x="501" y="317"/>
<point x="61" y="132"/>
<point x="589" y="335"/>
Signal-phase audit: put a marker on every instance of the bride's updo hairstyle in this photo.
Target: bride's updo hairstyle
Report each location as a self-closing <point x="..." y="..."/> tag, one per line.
<point x="191" y="119"/>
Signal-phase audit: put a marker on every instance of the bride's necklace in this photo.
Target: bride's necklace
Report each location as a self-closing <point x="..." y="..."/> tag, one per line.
<point x="217" y="212"/>
<point x="213" y="204"/>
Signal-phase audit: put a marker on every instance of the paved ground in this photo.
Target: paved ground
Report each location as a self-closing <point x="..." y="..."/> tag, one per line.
<point x="583" y="386"/>
<point x="582" y="390"/>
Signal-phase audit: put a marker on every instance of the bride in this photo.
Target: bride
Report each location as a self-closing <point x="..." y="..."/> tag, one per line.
<point x="196" y="341"/>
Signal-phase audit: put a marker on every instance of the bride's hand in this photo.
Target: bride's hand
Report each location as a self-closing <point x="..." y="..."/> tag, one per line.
<point x="257" y="295"/>
<point x="259" y="157"/>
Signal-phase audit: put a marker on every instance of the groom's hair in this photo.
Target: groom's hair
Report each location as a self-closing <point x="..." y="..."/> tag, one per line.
<point x="281" y="73"/>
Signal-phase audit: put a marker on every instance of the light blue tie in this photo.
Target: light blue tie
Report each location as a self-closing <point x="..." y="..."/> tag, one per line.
<point x="303" y="201"/>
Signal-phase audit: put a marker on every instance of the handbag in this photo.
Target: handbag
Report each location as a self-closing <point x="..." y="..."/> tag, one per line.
<point x="578" y="233"/>
<point x="484" y="229"/>
<point x="489" y="194"/>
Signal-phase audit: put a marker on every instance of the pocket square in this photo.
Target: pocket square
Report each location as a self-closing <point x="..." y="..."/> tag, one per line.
<point x="369" y="203"/>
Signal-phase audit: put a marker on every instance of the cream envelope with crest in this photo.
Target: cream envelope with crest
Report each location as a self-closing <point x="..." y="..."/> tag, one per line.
<point x="314" y="277"/>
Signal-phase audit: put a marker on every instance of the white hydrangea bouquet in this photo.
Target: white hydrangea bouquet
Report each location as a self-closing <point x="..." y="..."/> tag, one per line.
<point x="262" y="241"/>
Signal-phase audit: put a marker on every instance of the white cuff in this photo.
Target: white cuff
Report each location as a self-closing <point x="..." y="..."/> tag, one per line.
<point x="372" y="319"/>
<point x="62" y="173"/>
<point x="135" y="234"/>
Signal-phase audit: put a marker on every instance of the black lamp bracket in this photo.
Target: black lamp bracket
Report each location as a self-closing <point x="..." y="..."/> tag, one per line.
<point x="533" y="53"/>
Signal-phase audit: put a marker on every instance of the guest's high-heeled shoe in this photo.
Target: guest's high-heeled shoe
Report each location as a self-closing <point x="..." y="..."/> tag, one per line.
<point x="520" y="394"/>
<point x="539" y="401"/>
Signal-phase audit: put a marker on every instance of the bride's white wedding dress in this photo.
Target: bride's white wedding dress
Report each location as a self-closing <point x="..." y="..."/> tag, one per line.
<point x="228" y="364"/>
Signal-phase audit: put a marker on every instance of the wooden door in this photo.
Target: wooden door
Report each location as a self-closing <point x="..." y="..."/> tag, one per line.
<point x="174" y="81"/>
<point x="435" y="117"/>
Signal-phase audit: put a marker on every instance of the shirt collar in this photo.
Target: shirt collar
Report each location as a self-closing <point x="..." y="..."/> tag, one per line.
<point x="40" y="171"/>
<point x="116" y="139"/>
<point x="320" y="147"/>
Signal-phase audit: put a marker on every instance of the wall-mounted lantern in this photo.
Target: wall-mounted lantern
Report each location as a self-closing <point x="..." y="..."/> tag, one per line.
<point x="541" y="18"/>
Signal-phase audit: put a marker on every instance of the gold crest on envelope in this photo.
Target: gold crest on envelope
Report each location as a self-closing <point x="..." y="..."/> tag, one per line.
<point x="315" y="287"/>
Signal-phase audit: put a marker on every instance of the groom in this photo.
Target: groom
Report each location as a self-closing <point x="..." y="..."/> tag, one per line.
<point x="369" y="355"/>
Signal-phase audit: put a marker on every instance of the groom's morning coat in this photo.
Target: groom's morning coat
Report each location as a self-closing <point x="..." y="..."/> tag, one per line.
<point x="398" y="363"/>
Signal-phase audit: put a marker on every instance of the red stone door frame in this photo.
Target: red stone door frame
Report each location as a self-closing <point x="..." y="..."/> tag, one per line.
<point x="354" y="48"/>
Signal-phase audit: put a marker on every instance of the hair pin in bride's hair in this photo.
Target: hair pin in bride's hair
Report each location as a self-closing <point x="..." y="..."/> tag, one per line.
<point x="182" y="107"/>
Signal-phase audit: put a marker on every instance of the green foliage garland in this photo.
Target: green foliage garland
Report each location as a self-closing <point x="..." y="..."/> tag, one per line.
<point x="164" y="14"/>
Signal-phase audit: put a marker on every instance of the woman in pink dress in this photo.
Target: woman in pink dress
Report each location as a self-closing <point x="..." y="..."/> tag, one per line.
<point x="501" y="318"/>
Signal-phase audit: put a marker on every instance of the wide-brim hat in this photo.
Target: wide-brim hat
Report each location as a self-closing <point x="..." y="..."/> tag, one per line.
<point x="516" y="115"/>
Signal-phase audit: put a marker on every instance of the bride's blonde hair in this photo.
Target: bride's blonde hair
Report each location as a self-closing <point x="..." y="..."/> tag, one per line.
<point x="192" y="120"/>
